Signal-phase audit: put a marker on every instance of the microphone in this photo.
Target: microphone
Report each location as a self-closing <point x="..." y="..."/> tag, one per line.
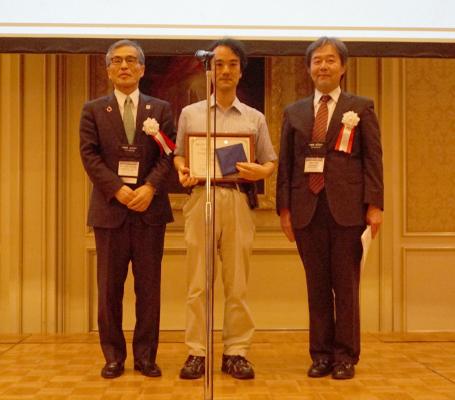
<point x="204" y="54"/>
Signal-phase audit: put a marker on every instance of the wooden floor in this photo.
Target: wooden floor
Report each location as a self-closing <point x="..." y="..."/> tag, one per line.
<point x="392" y="367"/>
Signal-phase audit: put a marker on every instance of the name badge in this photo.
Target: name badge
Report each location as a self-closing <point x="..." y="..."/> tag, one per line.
<point x="128" y="171"/>
<point x="128" y="166"/>
<point x="316" y="149"/>
<point x="314" y="164"/>
<point x="129" y="152"/>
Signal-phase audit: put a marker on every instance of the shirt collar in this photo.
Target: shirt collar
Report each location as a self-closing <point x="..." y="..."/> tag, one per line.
<point x="237" y="104"/>
<point x="120" y="96"/>
<point x="334" y="94"/>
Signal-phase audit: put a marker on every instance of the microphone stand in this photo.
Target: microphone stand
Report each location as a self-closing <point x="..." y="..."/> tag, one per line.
<point x="209" y="241"/>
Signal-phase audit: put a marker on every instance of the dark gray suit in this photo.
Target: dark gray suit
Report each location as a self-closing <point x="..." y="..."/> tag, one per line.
<point x="328" y="226"/>
<point x="123" y="235"/>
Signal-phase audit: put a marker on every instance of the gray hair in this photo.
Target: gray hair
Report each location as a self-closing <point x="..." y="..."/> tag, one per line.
<point x="123" y="43"/>
<point x="340" y="47"/>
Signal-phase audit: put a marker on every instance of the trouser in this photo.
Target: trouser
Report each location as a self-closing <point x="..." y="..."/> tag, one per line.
<point x="141" y="244"/>
<point x="234" y="234"/>
<point x="331" y="255"/>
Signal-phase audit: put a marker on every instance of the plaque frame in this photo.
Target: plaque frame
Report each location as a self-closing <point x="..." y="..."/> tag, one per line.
<point x="196" y="142"/>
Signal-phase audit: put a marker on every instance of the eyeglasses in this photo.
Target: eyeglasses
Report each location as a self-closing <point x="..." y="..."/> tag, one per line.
<point x="130" y="61"/>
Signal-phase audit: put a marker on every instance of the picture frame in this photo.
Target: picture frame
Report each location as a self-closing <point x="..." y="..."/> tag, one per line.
<point x="195" y="155"/>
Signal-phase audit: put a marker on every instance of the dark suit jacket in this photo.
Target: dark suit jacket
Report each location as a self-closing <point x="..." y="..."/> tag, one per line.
<point x="101" y="134"/>
<point x="352" y="181"/>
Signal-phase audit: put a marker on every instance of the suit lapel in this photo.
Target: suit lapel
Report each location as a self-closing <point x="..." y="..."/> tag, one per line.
<point x="115" y="119"/>
<point x="144" y="108"/>
<point x="335" y="122"/>
<point x="308" y="118"/>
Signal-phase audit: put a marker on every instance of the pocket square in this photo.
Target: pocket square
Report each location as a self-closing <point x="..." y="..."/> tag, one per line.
<point x="228" y="156"/>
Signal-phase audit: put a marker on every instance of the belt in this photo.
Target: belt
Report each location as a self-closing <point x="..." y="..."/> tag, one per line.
<point x="249" y="189"/>
<point x="241" y="187"/>
<point x="227" y="185"/>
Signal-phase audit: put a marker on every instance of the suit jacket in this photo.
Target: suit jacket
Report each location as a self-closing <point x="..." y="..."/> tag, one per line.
<point x="101" y="134"/>
<point x="352" y="181"/>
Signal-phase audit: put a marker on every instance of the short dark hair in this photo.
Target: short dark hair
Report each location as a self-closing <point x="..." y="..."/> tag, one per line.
<point x="236" y="46"/>
<point x="340" y="47"/>
<point x="123" y="43"/>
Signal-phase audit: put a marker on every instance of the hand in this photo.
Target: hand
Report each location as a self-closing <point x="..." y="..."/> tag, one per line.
<point x="184" y="177"/>
<point x="143" y="196"/>
<point x="374" y="219"/>
<point x="251" y="171"/>
<point x="286" y="226"/>
<point x="124" y="195"/>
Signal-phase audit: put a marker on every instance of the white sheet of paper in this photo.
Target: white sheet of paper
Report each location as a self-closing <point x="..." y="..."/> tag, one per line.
<point x="128" y="168"/>
<point x="366" y="242"/>
<point x="314" y="164"/>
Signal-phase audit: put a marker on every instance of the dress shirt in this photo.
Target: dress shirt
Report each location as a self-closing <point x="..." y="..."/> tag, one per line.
<point x="331" y="104"/>
<point x="238" y="118"/>
<point x="121" y="97"/>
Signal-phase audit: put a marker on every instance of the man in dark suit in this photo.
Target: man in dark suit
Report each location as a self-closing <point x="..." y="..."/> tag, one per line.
<point x="329" y="187"/>
<point x="126" y="151"/>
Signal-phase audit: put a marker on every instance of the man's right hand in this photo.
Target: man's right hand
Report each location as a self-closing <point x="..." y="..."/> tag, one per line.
<point x="124" y="195"/>
<point x="286" y="226"/>
<point x="184" y="177"/>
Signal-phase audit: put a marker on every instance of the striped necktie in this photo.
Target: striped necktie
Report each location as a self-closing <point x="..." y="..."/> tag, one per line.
<point x="316" y="182"/>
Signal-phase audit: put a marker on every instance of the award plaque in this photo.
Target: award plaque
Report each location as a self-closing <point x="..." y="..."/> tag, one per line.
<point x="228" y="150"/>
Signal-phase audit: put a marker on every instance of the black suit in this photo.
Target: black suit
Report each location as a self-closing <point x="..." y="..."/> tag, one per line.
<point x="328" y="226"/>
<point x="123" y="235"/>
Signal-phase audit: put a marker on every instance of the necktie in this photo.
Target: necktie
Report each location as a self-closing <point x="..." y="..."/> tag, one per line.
<point x="128" y="120"/>
<point x="316" y="182"/>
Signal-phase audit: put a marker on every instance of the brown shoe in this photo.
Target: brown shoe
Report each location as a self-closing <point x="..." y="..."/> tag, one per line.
<point x="112" y="370"/>
<point x="237" y="366"/>
<point x="320" y="368"/>
<point x="148" y="368"/>
<point x="193" y="368"/>
<point x="343" y="370"/>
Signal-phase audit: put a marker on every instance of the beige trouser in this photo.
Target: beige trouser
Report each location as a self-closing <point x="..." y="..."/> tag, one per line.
<point x="234" y="234"/>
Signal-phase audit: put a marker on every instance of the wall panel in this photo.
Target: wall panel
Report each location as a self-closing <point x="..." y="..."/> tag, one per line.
<point x="429" y="288"/>
<point x="430" y="146"/>
<point x="11" y="199"/>
<point x="47" y="254"/>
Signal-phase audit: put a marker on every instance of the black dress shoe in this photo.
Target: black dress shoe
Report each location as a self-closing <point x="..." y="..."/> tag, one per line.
<point x="148" y="368"/>
<point x="194" y="368"/>
<point x="112" y="370"/>
<point x="343" y="370"/>
<point x="320" y="368"/>
<point x="237" y="366"/>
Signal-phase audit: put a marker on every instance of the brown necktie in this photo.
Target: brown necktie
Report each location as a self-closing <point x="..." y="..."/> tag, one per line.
<point x="316" y="182"/>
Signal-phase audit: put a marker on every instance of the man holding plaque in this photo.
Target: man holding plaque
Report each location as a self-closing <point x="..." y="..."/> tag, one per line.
<point x="234" y="225"/>
<point x="329" y="187"/>
<point x="126" y="151"/>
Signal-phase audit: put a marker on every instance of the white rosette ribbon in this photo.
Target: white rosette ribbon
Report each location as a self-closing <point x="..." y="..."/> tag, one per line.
<point x="346" y="137"/>
<point x="152" y="128"/>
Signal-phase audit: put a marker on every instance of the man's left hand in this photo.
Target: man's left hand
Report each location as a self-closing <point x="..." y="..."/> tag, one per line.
<point x="374" y="219"/>
<point x="143" y="196"/>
